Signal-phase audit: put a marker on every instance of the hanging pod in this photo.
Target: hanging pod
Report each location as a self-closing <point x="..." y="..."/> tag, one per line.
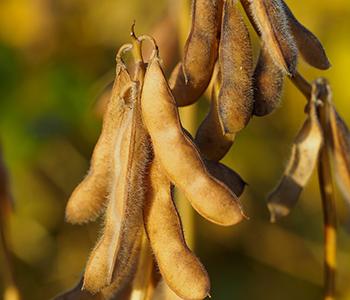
<point x="308" y="44"/>
<point x="177" y="154"/>
<point x="270" y="21"/>
<point x="191" y="77"/>
<point x="300" y="166"/>
<point x="210" y="139"/>
<point x="89" y="198"/>
<point x="340" y="148"/>
<point x="187" y="277"/>
<point x="268" y="84"/>
<point x="115" y="254"/>
<point x="235" y="100"/>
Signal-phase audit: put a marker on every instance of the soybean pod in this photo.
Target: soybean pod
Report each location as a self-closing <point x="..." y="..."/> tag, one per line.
<point x="191" y="77"/>
<point x="179" y="157"/>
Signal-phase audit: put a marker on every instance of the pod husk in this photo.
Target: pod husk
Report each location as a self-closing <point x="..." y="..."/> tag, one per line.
<point x="179" y="157"/>
<point x="299" y="168"/>
<point x="191" y="77"/>
<point x="235" y="100"/>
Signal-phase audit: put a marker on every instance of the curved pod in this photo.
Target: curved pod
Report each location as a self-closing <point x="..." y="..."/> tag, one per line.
<point x="178" y="155"/>
<point x="187" y="277"/>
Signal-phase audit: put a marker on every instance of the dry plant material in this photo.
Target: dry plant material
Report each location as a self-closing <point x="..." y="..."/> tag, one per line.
<point x="308" y="44"/>
<point x="113" y="255"/>
<point x="271" y="21"/>
<point x="191" y="77"/>
<point x="210" y="139"/>
<point x="227" y="176"/>
<point x="89" y="198"/>
<point x="300" y="166"/>
<point x="187" y="277"/>
<point x="235" y="101"/>
<point x="340" y="149"/>
<point x="178" y="155"/>
<point x="268" y="84"/>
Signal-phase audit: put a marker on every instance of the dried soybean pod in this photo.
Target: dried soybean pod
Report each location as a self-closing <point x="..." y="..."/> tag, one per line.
<point x="300" y="166"/>
<point x="190" y="78"/>
<point x="268" y="84"/>
<point x="187" y="277"/>
<point x="178" y="155"/>
<point x="210" y="139"/>
<point x="88" y="200"/>
<point x="235" y="101"/>
<point x="270" y="19"/>
<point x="308" y="44"/>
<point x="227" y="176"/>
<point x="340" y="137"/>
<point x="112" y="258"/>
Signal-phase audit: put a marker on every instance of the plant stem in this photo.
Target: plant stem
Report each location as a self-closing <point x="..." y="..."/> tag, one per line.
<point x="328" y="201"/>
<point x="329" y="216"/>
<point x="301" y="84"/>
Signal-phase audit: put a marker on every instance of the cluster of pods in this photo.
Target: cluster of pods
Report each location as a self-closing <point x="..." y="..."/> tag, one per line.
<point x="143" y="150"/>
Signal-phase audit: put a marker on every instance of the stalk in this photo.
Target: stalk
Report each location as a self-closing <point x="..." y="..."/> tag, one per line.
<point x="328" y="204"/>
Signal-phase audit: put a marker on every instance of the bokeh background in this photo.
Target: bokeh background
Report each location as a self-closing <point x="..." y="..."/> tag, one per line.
<point x="56" y="57"/>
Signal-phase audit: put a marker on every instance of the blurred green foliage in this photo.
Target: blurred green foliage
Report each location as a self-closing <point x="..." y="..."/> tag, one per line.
<point x="54" y="57"/>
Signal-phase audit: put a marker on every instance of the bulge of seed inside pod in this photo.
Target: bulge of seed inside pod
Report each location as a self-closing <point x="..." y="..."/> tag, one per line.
<point x="178" y="155"/>
<point x="299" y="169"/>
<point x="88" y="200"/>
<point x="268" y="84"/>
<point x="187" y="277"/>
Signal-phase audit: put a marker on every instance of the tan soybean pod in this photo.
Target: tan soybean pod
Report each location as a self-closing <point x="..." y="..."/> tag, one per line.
<point x="270" y="20"/>
<point x="308" y="44"/>
<point x="191" y="77"/>
<point x="187" y="276"/>
<point x="227" y="176"/>
<point x="235" y="101"/>
<point x="268" y="84"/>
<point x="210" y="139"/>
<point x="340" y="137"/>
<point x="300" y="166"/>
<point x="111" y="260"/>
<point x="88" y="200"/>
<point x="178" y="155"/>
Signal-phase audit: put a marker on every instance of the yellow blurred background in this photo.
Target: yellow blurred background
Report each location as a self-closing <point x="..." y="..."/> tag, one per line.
<point x="55" y="58"/>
